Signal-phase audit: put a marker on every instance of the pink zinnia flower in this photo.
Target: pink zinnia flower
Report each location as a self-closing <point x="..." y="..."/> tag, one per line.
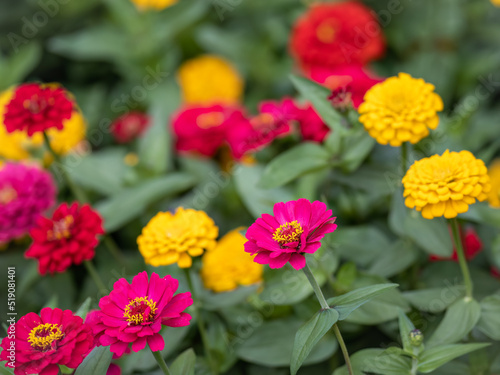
<point x="471" y="243"/>
<point x="134" y="313"/>
<point x="311" y="125"/>
<point x="42" y="342"/>
<point x="130" y="126"/>
<point x="26" y="191"/>
<point x="203" y="129"/>
<point x="114" y="370"/>
<point x="295" y="229"/>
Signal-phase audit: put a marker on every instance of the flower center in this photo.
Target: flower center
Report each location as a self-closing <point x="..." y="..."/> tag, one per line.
<point x="36" y="104"/>
<point x="61" y="229"/>
<point x="288" y="232"/>
<point x="141" y="310"/>
<point x="262" y="121"/>
<point x="210" y="120"/>
<point x="326" y="32"/>
<point x="44" y="336"/>
<point x="7" y="195"/>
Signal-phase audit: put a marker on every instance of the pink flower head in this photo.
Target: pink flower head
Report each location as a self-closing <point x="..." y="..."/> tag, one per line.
<point x="26" y="192"/>
<point x="42" y="342"/>
<point x="472" y="246"/>
<point x="114" y="370"/>
<point x="297" y="227"/>
<point x="251" y="135"/>
<point x="134" y="313"/>
<point x="130" y="126"/>
<point x="311" y="126"/>
<point x="349" y="83"/>
<point x="203" y="129"/>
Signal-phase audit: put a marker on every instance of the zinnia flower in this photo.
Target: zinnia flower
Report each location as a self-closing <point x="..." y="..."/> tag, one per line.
<point x="228" y="265"/>
<point x="114" y="370"/>
<point x="209" y="79"/>
<point x="445" y="185"/>
<point x="42" y="342"/>
<point x="494" y="173"/>
<point x="175" y="238"/>
<point x="472" y="246"/>
<point x="311" y="125"/>
<point x="153" y="4"/>
<point x="203" y="129"/>
<point x="400" y="109"/>
<point x="68" y="238"/>
<point x="26" y="192"/>
<point x="130" y="126"/>
<point x="37" y="108"/>
<point x="337" y="33"/>
<point x="133" y="313"/>
<point x="296" y="228"/>
<point x="496" y="2"/>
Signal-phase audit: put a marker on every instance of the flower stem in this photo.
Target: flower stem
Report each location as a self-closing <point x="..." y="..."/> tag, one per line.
<point x="201" y="324"/>
<point x="404" y="157"/>
<point x="95" y="276"/>
<point x="324" y="305"/>
<point x="461" y="258"/>
<point x="113" y="249"/>
<point x="161" y="362"/>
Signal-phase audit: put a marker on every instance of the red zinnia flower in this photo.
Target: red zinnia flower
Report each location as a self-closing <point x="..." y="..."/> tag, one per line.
<point x="42" y="342"/>
<point x="128" y="127"/>
<point x="472" y="246"/>
<point x="134" y="313"/>
<point x="36" y="108"/>
<point x="311" y="125"/>
<point x="70" y="237"/>
<point x="203" y="129"/>
<point x="295" y="229"/>
<point x="334" y="34"/>
<point x="495" y="272"/>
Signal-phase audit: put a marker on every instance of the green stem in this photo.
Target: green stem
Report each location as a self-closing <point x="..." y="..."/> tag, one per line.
<point x="200" y="323"/>
<point x="95" y="276"/>
<point x="461" y="258"/>
<point x="404" y="157"/>
<point x="324" y="305"/>
<point x="161" y="362"/>
<point x="113" y="249"/>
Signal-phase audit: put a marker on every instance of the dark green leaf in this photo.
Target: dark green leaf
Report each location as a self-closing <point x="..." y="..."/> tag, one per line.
<point x="489" y="323"/>
<point x="405" y="327"/>
<point x="184" y="363"/>
<point x="96" y="363"/>
<point x="433" y="358"/>
<point x="84" y="308"/>
<point x="435" y="300"/>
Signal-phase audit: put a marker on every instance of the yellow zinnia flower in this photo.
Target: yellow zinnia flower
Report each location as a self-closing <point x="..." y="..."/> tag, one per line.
<point x="400" y="109"/>
<point x="496" y="2"/>
<point x="228" y="266"/>
<point x="494" y="173"/>
<point x="153" y="4"/>
<point x="445" y="185"/>
<point x="210" y="79"/>
<point x="175" y="238"/>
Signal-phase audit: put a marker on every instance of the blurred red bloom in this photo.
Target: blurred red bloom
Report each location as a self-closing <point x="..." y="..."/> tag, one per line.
<point x="203" y="128"/>
<point x="42" y="342"/>
<point x="36" y="108"/>
<point x="311" y="125"/>
<point x="472" y="246"/>
<point x="130" y="126"/>
<point x="114" y="370"/>
<point x="495" y="272"/>
<point x="133" y="314"/>
<point x="68" y="238"/>
<point x="335" y="34"/>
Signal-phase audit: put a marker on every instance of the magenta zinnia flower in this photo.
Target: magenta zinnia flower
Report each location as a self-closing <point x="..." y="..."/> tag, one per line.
<point x="295" y="229"/>
<point x="134" y="313"/>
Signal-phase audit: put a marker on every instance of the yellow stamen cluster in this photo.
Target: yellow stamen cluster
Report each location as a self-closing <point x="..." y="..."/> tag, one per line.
<point x="208" y="80"/>
<point x="229" y="266"/>
<point x="494" y="173"/>
<point x="153" y="4"/>
<point x="175" y="238"/>
<point x="400" y="109"/>
<point x="140" y="310"/>
<point x="61" y="229"/>
<point x="288" y="232"/>
<point x="445" y="185"/>
<point x="42" y="336"/>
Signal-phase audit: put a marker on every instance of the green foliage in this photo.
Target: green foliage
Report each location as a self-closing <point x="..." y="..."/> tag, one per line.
<point x="97" y="362"/>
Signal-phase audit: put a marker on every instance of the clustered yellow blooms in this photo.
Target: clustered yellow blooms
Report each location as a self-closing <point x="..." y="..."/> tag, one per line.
<point x="18" y="145"/>
<point x="228" y="266"/>
<point x="494" y="173"/>
<point x="153" y="4"/>
<point x="400" y="109"/>
<point x="445" y="185"/>
<point x="174" y="238"/>
<point x="210" y="79"/>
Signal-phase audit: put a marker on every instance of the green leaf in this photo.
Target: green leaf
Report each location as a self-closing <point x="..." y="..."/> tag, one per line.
<point x="184" y="363"/>
<point x="405" y="327"/>
<point x="361" y="361"/>
<point x="433" y="358"/>
<point x="15" y="69"/>
<point x="84" y="308"/>
<point x="459" y="320"/>
<point x="378" y="361"/>
<point x="318" y="96"/>
<point x="356" y="146"/>
<point x="293" y="163"/>
<point x="489" y="323"/>
<point x="435" y="300"/>
<point x="5" y="370"/>
<point x="96" y="363"/>
<point x="395" y="259"/>
<point x="130" y="203"/>
<point x="347" y="303"/>
<point x="309" y="334"/>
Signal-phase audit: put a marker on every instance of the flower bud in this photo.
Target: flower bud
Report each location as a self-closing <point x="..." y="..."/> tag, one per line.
<point x="416" y="337"/>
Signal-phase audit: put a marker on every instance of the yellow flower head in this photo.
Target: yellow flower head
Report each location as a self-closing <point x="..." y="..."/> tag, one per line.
<point x="400" y="109"/>
<point x="210" y="79"/>
<point x="494" y="173"/>
<point x="175" y="238"/>
<point x="153" y="4"/>
<point x="496" y="2"/>
<point x="18" y="145"/>
<point x="228" y="266"/>
<point x="445" y="185"/>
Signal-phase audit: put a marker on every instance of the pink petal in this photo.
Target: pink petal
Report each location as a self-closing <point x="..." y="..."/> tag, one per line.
<point x="298" y="261"/>
<point x="156" y="343"/>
